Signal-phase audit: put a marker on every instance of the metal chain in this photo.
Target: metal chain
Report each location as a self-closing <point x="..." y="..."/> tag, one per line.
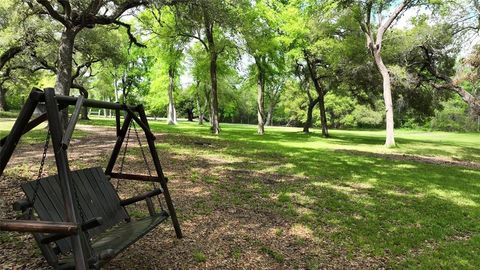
<point x="124" y="155"/>
<point x="40" y="174"/>
<point x="146" y="162"/>
<point x="77" y="201"/>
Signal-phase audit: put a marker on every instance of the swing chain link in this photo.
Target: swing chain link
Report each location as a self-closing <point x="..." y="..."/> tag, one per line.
<point x="77" y="202"/>
<point x="40" y="174"/>
<point x="146" y="163"/>
<point x="124" y="154"/>
<point x="142" y="151"/>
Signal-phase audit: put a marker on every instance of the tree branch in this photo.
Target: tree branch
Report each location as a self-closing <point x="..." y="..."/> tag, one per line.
<point x="9" y="54"/>
<point x="396" y="13"/>
<point x="53" y="12"/>
<point x="132" y="38"/>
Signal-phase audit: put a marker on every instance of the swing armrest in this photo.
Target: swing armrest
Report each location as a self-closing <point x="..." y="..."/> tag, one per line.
<point x="90" y="224"/>
<point x="141" y="197"/>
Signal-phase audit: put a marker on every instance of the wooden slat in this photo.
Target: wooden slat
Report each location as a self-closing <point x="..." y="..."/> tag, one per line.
<point x="121" y="237"/>
<point x="54" y="182"/>
<point x="103" y="197"/>
<point x="83" y="198"/>
<point x="120" y="213"/>
<point x="41" y="207"/>
<point x="95" y="202"/>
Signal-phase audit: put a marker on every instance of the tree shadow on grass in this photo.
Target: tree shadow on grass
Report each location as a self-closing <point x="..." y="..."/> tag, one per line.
<point x="362" y="204"/>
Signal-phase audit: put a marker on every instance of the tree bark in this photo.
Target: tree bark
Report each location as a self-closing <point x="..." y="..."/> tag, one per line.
<point x="83" y="91"/>
<point x="9" y="54"/>
<point x="321" y="95"/>
<point x="190" y="114"/>
<point x="323" y="115"/>
<point x="271" y="108"/>
<point x="387" y="98"/>
<point x="374" y="44"/>
<point x="260" y="97"/>
<point x="213" y="71"/>
<point x="3" y="100"/>
<point x="172" y="115"/>
<point x="308" y="123"/>
<point x="64" y="69"/>
<point x="213" y="94"/>
<point x="200" y="111"/>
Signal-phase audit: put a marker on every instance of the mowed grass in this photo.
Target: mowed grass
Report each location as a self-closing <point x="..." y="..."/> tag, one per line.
<point x="407" y="214"/>
<point x="411" y="214"/>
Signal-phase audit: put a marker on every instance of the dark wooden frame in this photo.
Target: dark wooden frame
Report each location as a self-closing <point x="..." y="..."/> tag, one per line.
<point x="60" y="141"/>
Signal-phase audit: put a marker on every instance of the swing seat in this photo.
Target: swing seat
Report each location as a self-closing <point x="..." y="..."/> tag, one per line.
<point x="113" y="232"/>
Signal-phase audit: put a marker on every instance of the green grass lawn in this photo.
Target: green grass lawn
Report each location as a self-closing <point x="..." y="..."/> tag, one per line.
<point x="416" y="215"/>
<point x="410" y="214"/>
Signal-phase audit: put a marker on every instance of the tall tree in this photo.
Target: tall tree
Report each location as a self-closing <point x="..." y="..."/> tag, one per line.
<point x="259" y="31"/>
<point x="168" y="48"/>
<point x="75" y="16"/>
<point x="369" y="11"/>
<point x="209" y="22"/>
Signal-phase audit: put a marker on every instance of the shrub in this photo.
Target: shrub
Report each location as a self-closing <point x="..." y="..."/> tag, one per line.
<point x="455" y="116"/>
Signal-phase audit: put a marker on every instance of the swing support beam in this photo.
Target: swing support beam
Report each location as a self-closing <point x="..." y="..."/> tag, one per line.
<point x="72" y="228"/>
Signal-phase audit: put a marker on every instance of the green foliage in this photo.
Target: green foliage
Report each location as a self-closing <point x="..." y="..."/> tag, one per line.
<point x="455" y="117"/>
<point x="365" y="117"/>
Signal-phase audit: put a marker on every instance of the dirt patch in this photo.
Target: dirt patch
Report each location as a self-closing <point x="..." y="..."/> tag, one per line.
<point x="421" y="159"/>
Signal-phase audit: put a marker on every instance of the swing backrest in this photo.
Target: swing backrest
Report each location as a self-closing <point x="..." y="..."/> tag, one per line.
<point x="96" y="195"/>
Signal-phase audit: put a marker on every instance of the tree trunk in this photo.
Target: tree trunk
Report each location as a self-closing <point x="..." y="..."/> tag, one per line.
<point x="387" y="97"/>
<point x="213" y="71"/>
<point x="172" y="115"/>
<point x="271" y="107"/>
<point x="321" y="95"/>
<point x="308" y="123"/>
<point x="323" y="115"/>
<point x="3" y="100"/>
<point x="260" y="98"/>
<point x="200" y="112"/>
<point x="190" y="114"/>
<point x="213" y="94"/>
<point x="64" y="69"/>
<point x="83" y="91"/>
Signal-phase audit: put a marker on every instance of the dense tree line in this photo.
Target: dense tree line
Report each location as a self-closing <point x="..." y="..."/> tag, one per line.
<point x="331" y="64"/>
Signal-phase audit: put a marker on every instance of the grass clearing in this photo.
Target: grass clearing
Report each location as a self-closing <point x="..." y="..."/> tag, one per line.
<point x="331" y="198"/>
<point x="367" y="205"/>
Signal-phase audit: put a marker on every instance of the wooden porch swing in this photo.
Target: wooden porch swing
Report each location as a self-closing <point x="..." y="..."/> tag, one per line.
<point x="77" y="217"/>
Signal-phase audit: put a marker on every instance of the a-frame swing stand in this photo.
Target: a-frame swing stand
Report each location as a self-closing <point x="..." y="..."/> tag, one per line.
<point x="81" y="222"/>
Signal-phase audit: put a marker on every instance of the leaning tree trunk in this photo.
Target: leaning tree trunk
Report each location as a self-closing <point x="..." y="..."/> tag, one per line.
<point x="387" y="97"/>
<point x="308" y="123"/>
<point x="64" y="69"/>
<point x="172" y="115"/>
<point x="323" y="115"/>
<point x="321" y="95"/>
<point x="260" y="100"/>
<point x="3" y="100"/>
